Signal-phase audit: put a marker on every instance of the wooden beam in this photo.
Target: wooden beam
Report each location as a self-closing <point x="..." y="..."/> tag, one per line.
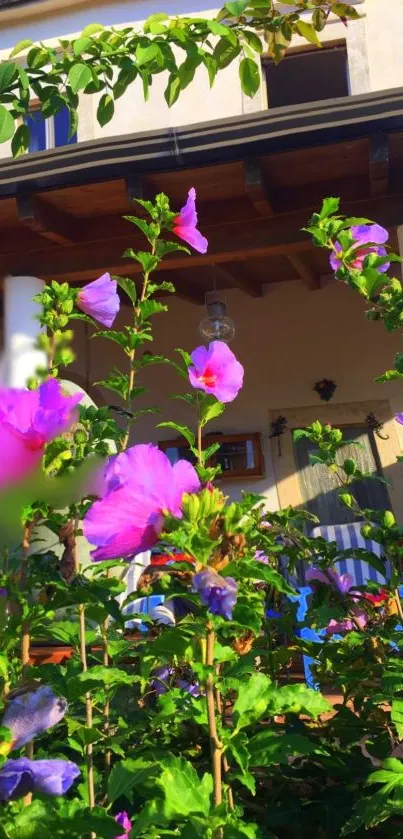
<point x="256" y="187"/>
<point x="309" y="277"/>
<point x="379" y="165"/>
<point x="134" y="188"/>
<point x="186" y="291"/>
<point x="237" y="275"/>
<point x="49" y="221"/>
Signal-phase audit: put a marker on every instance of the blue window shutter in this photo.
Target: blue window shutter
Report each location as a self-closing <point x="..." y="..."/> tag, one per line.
<point x="61" y="123"/>
<point x="37" y="126"/>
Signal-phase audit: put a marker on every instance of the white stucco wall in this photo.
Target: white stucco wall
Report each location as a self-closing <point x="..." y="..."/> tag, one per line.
<point x="374" y="46"/>
<point x="287" y="341"/>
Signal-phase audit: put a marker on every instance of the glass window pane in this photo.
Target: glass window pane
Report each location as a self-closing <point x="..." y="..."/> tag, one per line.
<point x="37" y="126"/>
<point x="61" y="123"/>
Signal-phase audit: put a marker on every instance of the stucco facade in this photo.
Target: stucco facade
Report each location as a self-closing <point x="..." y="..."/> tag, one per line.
<point x="290" y="338"/>
<point x="374" y="49"/>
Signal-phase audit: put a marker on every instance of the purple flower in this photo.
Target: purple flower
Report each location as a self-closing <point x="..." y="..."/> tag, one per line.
<point x="3" y="592"/>
<point x="32" y="713"/>
<point x="140" y="487"/>
<point x="399" y="418"/>
<point x="260" y="556"/>
<point x="18" y="777"/>
<point x="123" y="819"/>
<point x="28" y="420"/>
<point x="369" y="238"/>
<point x="341" y="582"/>
<point x="360" y="619"/>
<point x="216" y="371"/>
<point x="164" y="678"/>
<point x="218" y="593"/>
<point x="100" y="300"/>
<point x="185" y="225"/>
<point x="344" y="584"/>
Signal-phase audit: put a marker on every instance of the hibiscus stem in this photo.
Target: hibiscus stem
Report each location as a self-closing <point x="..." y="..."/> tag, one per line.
<point x="136" y="322"/>
<point x="399" y="604"/>
<point x="225" y="764"/>
<point x="106" y="708"/>
<point x="88" y="699"/>
<point x="215" y="744"/>
<point x="25" y="635"/>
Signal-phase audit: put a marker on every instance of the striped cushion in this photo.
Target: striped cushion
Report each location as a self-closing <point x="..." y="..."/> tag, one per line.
<point x="349" y="536"/>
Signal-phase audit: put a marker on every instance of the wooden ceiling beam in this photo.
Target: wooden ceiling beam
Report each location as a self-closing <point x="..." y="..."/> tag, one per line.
<point x="185" y="290"/>
<point x="47" y="220"/>
<point x="84" y="263"/>
<point x="256" y="187"/>
<point x="238" y="276"/>
<point x="134" y="188"/>
<point x="309" y="277"/>
<point x="379" y="165"/>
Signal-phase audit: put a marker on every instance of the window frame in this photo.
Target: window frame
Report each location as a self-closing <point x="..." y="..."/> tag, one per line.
<point x="308" y="49"/>
<point x="50" y="133"/>
<point x="285" y="466"/>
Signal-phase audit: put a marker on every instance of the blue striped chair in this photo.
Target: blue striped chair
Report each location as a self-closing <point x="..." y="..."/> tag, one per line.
<point x="346" y="536"/>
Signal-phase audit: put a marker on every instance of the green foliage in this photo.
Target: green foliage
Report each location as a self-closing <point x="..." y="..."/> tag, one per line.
<point x="106" y="62"/>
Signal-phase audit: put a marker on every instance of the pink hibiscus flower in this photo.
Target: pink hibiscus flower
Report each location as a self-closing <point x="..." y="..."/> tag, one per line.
<point x="185" y="225"/>
<point x="140" y="487"/>
<point x="124" y="821"/>
<point x="28" y="420"/>
<point x="369" y="238"/>
<point x="216" y="370"/>
<point x="100" y="300"/>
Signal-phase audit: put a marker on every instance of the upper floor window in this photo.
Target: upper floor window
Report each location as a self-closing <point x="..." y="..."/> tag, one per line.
<point x="307" y="76"/>
<point x="49" y="133"/>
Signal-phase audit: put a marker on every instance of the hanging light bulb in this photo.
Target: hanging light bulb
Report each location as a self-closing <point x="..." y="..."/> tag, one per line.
<point x="216" y="326"/>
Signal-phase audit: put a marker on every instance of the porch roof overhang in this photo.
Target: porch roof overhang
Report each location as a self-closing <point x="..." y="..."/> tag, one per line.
<point x="258" y="178"/>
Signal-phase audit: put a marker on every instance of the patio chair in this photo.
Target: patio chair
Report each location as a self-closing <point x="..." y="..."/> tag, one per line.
<point x="346" y="536"/>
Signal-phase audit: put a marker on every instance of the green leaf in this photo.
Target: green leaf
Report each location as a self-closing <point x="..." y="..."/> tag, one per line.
<point x="185" y="793"/>
<point x="249" y="75"/>
<point x="211" y="408"/>
<point x="329" y="206"/>
<point x="82" y="45"/>
<point x="20" y="141"/>
<point x="147" y="53"/>
<point x="8" y="72"/>
<point x="224" y="53"/>
<point x="297" y="699"/>
<point x="79" y="76"/>
<point x="224" y="31"/>
<point x="172" y="89"/>
<point x="106" y="109"/>
<point x="6" y="125"/>
<point x="183" y="430"/>
<point x="299" y="433"/>
<point x="397" y="716"/>
<point x="252" y="700"/>
<point x="267" y="747"/>
<point x="92" y="29"/>
<point x="128" y="774"/>
<point x="129" y="287"/>
<point x="307" y="31"/>
<point x="20" y="47"/>
<point x="236" y="7"/>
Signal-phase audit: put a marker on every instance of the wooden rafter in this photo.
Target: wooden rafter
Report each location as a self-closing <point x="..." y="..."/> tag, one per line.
<point x="238" y="276"/>
<point x="379" y="165"/>
<point x="309" y="277"/>
<point x="256" y="187"/>
<point x="48" y="221"/>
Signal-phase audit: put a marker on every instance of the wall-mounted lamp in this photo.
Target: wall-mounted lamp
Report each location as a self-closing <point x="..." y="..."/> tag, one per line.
<point x="325" y="389"/>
